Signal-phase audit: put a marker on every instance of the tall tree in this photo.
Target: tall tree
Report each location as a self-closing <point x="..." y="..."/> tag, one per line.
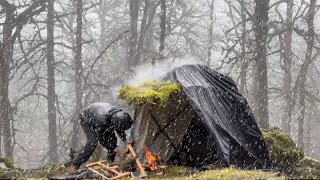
<point x="143" y="31"/>
<point x="12" y="27"/>
<point x="134" y="13"/>
<point x="78" y="73"/>
<point x="6" y="52"/>
<point x="260" y="25"/>
<point x="287" y="63"/>
<point x="243" y="61"/>
<point x="163" y="19"/>
<point x="210" y="44"/>
<point x="302" y="76"/>
<point x="51" y="92"/>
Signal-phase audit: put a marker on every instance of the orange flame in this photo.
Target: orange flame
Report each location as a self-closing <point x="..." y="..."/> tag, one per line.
<point x="152" y="159"/>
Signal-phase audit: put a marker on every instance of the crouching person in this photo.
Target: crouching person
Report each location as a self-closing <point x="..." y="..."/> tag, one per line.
<point x="99" y="122"/>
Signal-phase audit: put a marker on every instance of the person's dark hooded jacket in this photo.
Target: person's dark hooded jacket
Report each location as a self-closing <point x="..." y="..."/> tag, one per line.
<point x="99" y="122"/>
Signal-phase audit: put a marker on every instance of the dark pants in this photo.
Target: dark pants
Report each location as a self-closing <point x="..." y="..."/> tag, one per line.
<point x="107" y="139"/>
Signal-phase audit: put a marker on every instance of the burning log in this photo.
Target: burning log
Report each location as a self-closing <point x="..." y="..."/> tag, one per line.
<point x="153" y="160"/>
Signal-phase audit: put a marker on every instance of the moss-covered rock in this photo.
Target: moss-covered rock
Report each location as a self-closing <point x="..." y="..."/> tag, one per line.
<point x="284" y="153"/>
<point x="153" y="92"/>
<point x="308" y="168"/>
<point x="288" y="158"/>
<point x="7" y="162"/>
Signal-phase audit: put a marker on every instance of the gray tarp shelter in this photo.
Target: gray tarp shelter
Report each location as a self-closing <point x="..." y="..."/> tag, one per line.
<point x="209" y="121"/>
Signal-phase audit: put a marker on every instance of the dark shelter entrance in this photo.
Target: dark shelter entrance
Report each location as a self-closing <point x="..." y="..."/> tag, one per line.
<point x="196" y="148"/>
<point x="208" y="121"/>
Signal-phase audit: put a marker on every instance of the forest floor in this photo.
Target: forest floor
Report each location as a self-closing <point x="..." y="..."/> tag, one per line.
<point x="173" y="172"/>
<point x="285" y="156"/>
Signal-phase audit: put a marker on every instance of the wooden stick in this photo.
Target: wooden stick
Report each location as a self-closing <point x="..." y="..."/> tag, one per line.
<point x="137" y="160"/>
<point x="97" y="172"/>
<point x="120" y="176"/>
<point x="112" y="169"/>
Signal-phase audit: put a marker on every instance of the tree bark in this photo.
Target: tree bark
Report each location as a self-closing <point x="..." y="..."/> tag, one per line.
<point x="261" y="74"/>
<point x="287" y="78"/>
<point x="309" y="129"/>
<point x="51" y="94"/>
<point x="244" y="63"/>
<point x="78" y="74"/>
<point x="6" y="51"/>
<point x="134" y="13"/>
<point x="210" y="34"/>
<point x="102" y="18"/>
<point x="162" y="27"/>
<point x="304" y="70"/>
<point x="149" y="45"/>
<point x="143" y="31"/>
<point x="8" y="38"/>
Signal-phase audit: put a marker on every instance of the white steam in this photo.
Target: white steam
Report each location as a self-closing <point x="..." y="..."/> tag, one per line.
<point x="149" y="71"/>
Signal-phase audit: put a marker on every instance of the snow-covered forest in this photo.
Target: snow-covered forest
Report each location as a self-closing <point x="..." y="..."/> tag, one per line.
<point x="58" y="56"/>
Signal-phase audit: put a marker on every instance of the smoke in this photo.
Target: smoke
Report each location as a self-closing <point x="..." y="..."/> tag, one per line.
<point x="149" y="71"/>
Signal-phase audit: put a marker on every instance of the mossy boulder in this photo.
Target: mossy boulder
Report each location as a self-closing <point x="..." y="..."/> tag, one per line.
<point x="7" y="162"/>
<point x="308" y="168"/>
<point x="153" y="92"/>
<point x="284" y="153"/>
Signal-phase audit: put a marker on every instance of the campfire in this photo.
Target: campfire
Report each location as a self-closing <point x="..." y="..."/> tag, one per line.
<point x="153" y="159"/>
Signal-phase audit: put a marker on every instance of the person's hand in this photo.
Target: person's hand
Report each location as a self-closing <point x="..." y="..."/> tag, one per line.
<point x="130" y="142"/>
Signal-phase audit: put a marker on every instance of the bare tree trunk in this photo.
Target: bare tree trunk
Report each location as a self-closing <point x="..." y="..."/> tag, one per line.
<point x="244" y="63"/>
<point x="210" y="34"/>
<point x="1" y="120"/>
<point x="302" y="105"/>
<point x="8" y="38"/>
<point x="1" y="126"/>
<point x="51" y="96"/>
<point x="309" y="129"/>
<point x="287" y="78"/>
<point x="261" y="74"/>
<point x="162" y="27"/>
<point x="5" y="107"/>
<point x="149" y="29"/>
<point x="134" y="13"/>
<point x="102" y="18"/>
<point x="304" y="70"/>
<point x="143" y="30"/>
<point x="78" y="74"/>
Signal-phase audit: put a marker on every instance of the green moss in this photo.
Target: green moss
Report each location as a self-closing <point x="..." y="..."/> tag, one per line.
<point x="57" y="167"/>
<point x="310" y="162"/>
<point x="153" y="92"/>
<point x="32" y="179"/>
<point x="7" y="162"/>
<point x="176" y="171"/>
<point x="307" y="169"/>
<point x="230" y="173"/>
<point x="284" y="153"/>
